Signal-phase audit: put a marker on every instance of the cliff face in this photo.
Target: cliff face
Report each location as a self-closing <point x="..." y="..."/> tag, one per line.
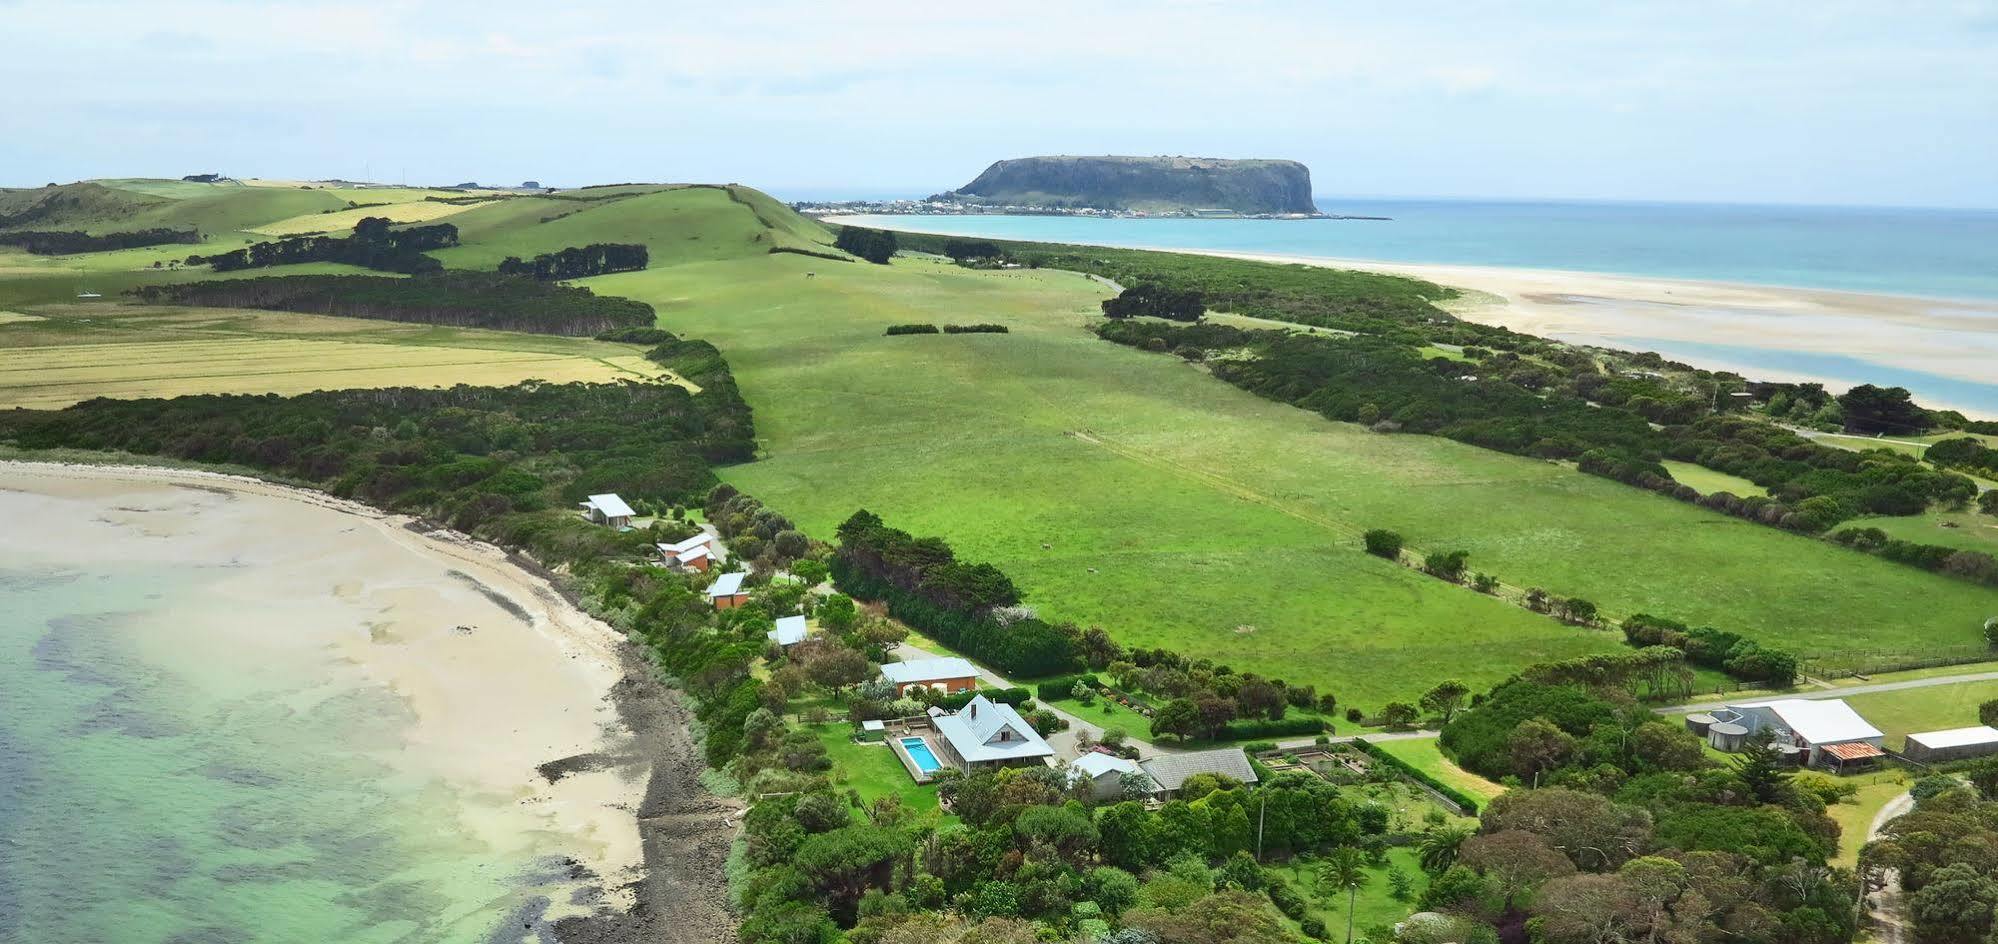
<point x="1148" y="184"/>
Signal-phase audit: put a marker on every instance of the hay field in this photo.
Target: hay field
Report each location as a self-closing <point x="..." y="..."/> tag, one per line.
<point x="340" y="222"/>
<point x="76" y="352"/>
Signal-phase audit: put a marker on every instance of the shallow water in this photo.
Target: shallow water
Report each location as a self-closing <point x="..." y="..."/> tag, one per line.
<point x="176" y="766"/>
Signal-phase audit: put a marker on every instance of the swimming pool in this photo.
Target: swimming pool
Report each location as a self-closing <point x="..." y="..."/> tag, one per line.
<point x="920" y="753"/>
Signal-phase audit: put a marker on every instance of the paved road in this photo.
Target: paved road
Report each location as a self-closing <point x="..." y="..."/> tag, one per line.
<point x="1842" y="692"/>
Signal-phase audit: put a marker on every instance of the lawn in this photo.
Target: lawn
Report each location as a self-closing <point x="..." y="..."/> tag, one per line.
<point x="1706" y="481"/>
<point x="1098" y="476"/>
<point x="1426" y="755"/>
<point x="76" y="352"/>
<point x="1855" y="816"/>
<point x="873" y="771"/>
<point x="1935" y="708"/>
<point x="1971" y="529"/>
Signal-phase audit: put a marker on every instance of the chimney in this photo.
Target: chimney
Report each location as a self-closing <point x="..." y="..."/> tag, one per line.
<point x="974" y="711"/>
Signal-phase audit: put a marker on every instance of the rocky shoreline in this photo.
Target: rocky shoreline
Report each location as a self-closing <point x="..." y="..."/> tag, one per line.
<point x="683" y="896"/>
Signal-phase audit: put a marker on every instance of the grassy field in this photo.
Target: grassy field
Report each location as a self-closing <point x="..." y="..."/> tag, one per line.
<point x="1096" y="475"/>
<point x="1855" y="816"/>
<point x="1910" y="710"/>
<point x="1970" y="530"/>
<point x="342" y="221"/>
<point x="1374" y="903"/>
<point x="1706" y="481"/>
<point x="1426" y="755"/>
<point x="72" y="353"/>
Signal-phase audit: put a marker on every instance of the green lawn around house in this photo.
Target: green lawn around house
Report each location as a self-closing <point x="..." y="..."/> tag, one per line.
<point x="1426" y="755"/>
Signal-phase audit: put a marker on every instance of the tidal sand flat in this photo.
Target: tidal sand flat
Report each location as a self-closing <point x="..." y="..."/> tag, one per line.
<point x="231" y="711"/>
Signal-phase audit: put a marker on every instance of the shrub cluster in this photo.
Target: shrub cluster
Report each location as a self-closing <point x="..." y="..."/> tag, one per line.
<point x="576" y="262"/>
<point x="1151" y="299"/>
<point x="71" y="243"/>
<point x="953" y="601"/>
<point x="1956" y="562"/>
<point x="911" y="329"/>
<point x="975" y="329"/>
<point x="458" y="299"/>
<point x="874" y="245"/>
<point x="373" y="245"/>
<point x="1738" y="656"/>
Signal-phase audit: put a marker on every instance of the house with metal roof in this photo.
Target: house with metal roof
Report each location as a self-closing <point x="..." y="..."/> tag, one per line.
<point x="700" y="539"/>
<point x="608" y="509"/>
<point x="726" y="592"/>
<point x="790" y="631"/>
<point x="950" y="675"/>
<point x="985" y="734"/>
<point x="1823" y="731"/>
<point x="1105" y="775"/>
<point x="1170" y="771"/>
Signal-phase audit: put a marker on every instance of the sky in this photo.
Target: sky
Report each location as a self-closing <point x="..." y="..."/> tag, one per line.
<point x="1826" y="102"/>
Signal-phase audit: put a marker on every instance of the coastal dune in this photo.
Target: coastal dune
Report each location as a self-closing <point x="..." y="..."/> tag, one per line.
<point x="541" y="733"/>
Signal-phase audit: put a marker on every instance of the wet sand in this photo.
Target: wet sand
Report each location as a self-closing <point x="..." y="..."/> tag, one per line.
<point x="550" y="727"/>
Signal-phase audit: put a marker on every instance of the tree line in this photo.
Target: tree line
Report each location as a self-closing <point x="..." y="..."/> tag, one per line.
<point x="458" y="299"/>
<point x="71" y="243"/>
<point x="874" y="245"/>
<point x="577" y="262"/>
<point x="372" y="245"/>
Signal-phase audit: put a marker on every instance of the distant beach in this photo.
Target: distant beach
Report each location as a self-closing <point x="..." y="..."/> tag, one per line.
<point x="1941" y="348"/>
<point x="292" y="673"/>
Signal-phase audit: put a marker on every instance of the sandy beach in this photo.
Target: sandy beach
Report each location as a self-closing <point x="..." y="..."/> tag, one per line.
<point x="1745" y="328"/>
<point x="552" y="732"/>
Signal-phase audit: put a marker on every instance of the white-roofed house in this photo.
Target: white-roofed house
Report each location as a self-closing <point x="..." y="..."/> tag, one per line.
<point x="608" y="509"/>
<point x="949" y="675"/>
<point x="1934" y="747"/>
<point x="726" y="592"/>
<point x="1106" y="775"/>
<point x="790" y="631"/>
<point x="985" y="734"/>
<point x="1170" y="771"/>
<point x="1828" y="732"/>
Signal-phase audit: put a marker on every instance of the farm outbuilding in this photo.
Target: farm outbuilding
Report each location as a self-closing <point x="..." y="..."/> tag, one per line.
<point x="608" y="509"/>
<point x="948" y="675"/>
<point x="1934" y="747"/>
<point x="1827" y="732"/>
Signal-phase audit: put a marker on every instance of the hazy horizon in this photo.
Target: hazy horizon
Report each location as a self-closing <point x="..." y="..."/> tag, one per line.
<point x="1838" y="104"/>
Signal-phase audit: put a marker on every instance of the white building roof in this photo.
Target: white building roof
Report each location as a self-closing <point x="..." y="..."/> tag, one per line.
<point x="1096" y="763"/>
<point x="790" y="631"/>
<point x="1819" y="720"/>
<point x="692" y="554"/>
<point x="984" y="730"/>
<point x="726" y="585"/>
<point x="681" y="547"/>
<point x="1956" y="737"/>
<point x="610" y="506"/>
<point x="928" y="670"/>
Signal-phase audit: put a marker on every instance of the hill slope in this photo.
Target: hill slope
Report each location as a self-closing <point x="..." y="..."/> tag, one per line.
<point x="1150" y="184"/>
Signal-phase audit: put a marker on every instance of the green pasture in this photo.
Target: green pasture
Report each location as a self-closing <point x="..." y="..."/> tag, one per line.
<point x="1133" y="491"/>
<point x="1911" y="710"/>
<point x="1706" y="481"/>
<point x="1426" y="755"/>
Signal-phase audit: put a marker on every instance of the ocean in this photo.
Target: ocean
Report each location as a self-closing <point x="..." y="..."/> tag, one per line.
<point x="194" y="750"/>
<point x="1923" y="252"/>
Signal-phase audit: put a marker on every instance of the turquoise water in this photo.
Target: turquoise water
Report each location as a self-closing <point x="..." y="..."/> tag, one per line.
<point x="1938" y="253"/>
<point x="157" y="787"/>
<point x="920" y="753"/>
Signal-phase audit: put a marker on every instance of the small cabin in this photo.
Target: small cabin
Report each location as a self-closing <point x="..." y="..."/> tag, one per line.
<point x="949" y="676"/>
<point x="726" y="592"/>
<point x="608" y="509"/>
<point x="790" y="631"/>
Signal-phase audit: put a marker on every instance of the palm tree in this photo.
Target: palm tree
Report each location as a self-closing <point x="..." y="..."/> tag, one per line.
<point x="1345" y="867"/>
<point x="1439" y="849"/>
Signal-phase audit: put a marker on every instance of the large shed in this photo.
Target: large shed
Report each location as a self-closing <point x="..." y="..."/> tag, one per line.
<point x="1934" y="747"/>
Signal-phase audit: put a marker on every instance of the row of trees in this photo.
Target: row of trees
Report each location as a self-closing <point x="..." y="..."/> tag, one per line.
<point x="457" y="299"/>
<point x="1152" y="300"/>
<point x="69" y="243"/>
<point x="374" y="244"/>
<point x="577" y="262"/>
<point x="1740" y="657"/>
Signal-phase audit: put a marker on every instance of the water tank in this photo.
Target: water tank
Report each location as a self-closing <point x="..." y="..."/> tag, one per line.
<point x="1698" y="724"/>
<point x="1726" y="736"/>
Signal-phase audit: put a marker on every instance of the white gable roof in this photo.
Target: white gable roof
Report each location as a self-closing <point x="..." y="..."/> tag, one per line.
<point x="680" y="547"/>
<point x="1818" y="720"/>
<point x="1956" y="737"/>
<point x="692" y="554"/>
<point x="790" y="630"/>
<point x="928" y="670"/>
<point x="1096" y="763"/>
<point x="610" y="506"/>
<point x="726" y="585"/>
<point x="984" y="730"/>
